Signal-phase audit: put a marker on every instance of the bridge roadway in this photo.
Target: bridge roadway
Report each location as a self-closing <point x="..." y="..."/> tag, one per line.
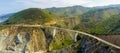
<point x="92" y="36"/>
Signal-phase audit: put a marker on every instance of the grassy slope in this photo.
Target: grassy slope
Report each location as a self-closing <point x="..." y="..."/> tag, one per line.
<point x="100" y="14"/>
<point x="68" y="11"/>
<point x="108" y="26"/>
<point x="95" y="20"/>
<point x="30" y="16"/>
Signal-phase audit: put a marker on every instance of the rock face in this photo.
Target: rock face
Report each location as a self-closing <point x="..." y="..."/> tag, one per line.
<point x="89" y="45"/>
<point x="41" y="40"/>
<point x="20" y="39"/>
<point x="30" y="40"/>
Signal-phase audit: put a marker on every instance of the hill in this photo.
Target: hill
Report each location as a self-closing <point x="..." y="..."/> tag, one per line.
<point x="30" y="16"/>
<point x="108" y="26"/>
<point x="40" y="39"/>
<point x="68" y="11"/>
<point x="99" y="14"/>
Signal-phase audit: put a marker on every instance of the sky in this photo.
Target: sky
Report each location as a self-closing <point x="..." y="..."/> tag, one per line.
<point x="11" y="6"/>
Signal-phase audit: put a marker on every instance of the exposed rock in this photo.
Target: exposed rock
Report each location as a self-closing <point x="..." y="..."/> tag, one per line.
<point x="30" y="39"/>
<point x="41" y="40"/>
<point x="22" y="39"/>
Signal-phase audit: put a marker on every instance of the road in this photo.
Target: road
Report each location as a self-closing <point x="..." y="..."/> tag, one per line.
<point x="92" y="36"/>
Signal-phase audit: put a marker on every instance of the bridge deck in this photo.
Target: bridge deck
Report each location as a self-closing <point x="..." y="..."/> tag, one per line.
<point x="92" y="36"/>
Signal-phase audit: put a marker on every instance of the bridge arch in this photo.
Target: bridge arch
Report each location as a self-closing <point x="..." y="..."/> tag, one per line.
<point x="75" y="35"/>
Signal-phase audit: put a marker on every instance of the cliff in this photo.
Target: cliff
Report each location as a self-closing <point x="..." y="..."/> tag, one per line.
<point x="16" y="39"/>
<point x="31" y="39"/>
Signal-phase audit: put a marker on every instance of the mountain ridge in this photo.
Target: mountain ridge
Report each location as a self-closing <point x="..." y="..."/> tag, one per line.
<point x="30" y="16"/>
<point x="68" y="11"/>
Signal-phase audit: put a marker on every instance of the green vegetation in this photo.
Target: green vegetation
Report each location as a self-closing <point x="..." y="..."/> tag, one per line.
<point x="100" y="21"/>
<point x="67" y="42"/>
<point x="91" y="20"/>
<point x="108" y="26"/>
<point x="104" y="27"/>
<point x="100" y="14"/>
<point x="30" y="16"/>
<point x="103" y="21"/>
<point x="57" y="47"/>
<point x="68" y="11"/>
<point x="64" y="43"/>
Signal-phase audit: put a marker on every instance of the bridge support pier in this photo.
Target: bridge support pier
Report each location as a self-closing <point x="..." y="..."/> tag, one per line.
<point x="75" y="36"/>
<point x="54" y="32"/>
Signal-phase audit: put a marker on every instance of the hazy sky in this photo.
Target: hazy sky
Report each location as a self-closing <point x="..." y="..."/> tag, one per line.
<point x="9" y="6"/>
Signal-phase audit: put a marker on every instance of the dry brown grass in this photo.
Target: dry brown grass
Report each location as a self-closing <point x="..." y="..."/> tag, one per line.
<point x="115" y="39"/>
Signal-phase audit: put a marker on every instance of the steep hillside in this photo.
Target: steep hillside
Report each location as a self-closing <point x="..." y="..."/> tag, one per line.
<point x="68" y="22"/>
<point x="32" y="39"/>
<point x="15" y="39"/>
<point x="100" y="14"/>
<point x="30" y="16"/>
<point x="112" y="38"/>
<point x="68" y="11"/>
<point x="20" y="39"/>
<point x="92" y="18"/>
<point x="109" y="26"/>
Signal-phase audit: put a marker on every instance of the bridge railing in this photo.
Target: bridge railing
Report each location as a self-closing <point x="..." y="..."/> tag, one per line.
<point x="76" y="32"/>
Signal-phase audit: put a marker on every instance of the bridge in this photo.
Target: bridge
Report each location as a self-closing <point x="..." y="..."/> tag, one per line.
<point x="74" y="31"/>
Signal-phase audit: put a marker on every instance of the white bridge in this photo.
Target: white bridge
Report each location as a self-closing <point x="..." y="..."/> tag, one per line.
<point x="75" y="33"/>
